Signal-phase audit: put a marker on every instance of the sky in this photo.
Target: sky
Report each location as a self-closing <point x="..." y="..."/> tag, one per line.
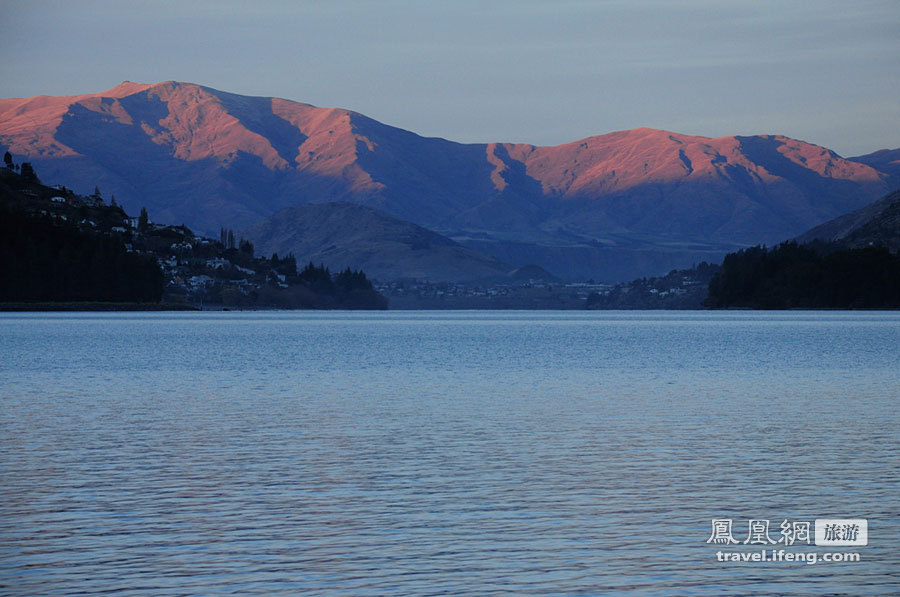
<point x="539" y="72"/>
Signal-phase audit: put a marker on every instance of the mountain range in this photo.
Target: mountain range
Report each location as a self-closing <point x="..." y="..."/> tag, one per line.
<point x="609" y="207"/>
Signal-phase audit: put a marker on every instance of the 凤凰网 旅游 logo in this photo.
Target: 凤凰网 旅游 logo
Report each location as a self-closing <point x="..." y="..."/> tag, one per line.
<point x="832" y="532"/>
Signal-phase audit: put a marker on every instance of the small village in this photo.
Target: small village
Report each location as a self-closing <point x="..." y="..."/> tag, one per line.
<point x="524" y="294"/>
<point x="679" y="289"/>
<point x="198" y="271"/>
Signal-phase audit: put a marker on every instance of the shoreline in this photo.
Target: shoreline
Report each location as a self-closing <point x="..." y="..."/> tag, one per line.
<point x="90" y="306"/>
<point x="94" y="306"/>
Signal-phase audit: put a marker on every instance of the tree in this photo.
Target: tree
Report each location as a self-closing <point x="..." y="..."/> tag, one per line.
<point x="143" y="220"/>
<point x="7" y="159"/>
<point x="230" y="239"/>
<point x="97" y="192"/>
<point x="28" y="173"/>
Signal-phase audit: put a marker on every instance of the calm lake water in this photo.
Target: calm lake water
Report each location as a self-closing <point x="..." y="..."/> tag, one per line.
<point x="443" y="452"/>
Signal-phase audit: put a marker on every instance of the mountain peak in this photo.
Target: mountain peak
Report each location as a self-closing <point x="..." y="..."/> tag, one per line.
<point x="124" y="89"/>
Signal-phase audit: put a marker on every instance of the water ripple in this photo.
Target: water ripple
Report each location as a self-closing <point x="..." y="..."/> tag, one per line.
<point x="419" y="453"/>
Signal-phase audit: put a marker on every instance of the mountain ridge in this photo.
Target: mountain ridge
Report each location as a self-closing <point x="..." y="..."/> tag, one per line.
<point x="630" y="202"/>
<point x="877" y="224"/>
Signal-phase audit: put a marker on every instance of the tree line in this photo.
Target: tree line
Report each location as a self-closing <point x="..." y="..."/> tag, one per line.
<point x="807" y="276"/>
<point x="313" y="287"/>
<point x="48" y="262"/>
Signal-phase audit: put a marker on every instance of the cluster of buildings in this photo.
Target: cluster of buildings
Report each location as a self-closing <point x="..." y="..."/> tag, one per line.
<point x="537" y="294"/>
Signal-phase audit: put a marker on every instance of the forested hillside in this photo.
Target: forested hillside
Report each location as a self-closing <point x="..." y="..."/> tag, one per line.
<point x="812" y="276"/>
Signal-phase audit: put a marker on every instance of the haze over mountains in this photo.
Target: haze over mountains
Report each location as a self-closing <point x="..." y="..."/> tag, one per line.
<point x="608" y="207"/>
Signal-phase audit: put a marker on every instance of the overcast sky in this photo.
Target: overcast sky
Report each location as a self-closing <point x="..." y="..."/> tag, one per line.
<point x="541" y="72"/>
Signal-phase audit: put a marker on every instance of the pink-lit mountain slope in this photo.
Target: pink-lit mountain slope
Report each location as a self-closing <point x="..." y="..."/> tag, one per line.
<point x="612" y="206"/>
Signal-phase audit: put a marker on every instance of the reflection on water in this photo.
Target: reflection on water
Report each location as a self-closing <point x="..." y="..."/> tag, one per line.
<point x="511" y="452"/>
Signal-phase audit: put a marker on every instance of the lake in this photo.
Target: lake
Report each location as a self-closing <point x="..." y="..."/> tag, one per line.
<point x="444" y="452"/>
